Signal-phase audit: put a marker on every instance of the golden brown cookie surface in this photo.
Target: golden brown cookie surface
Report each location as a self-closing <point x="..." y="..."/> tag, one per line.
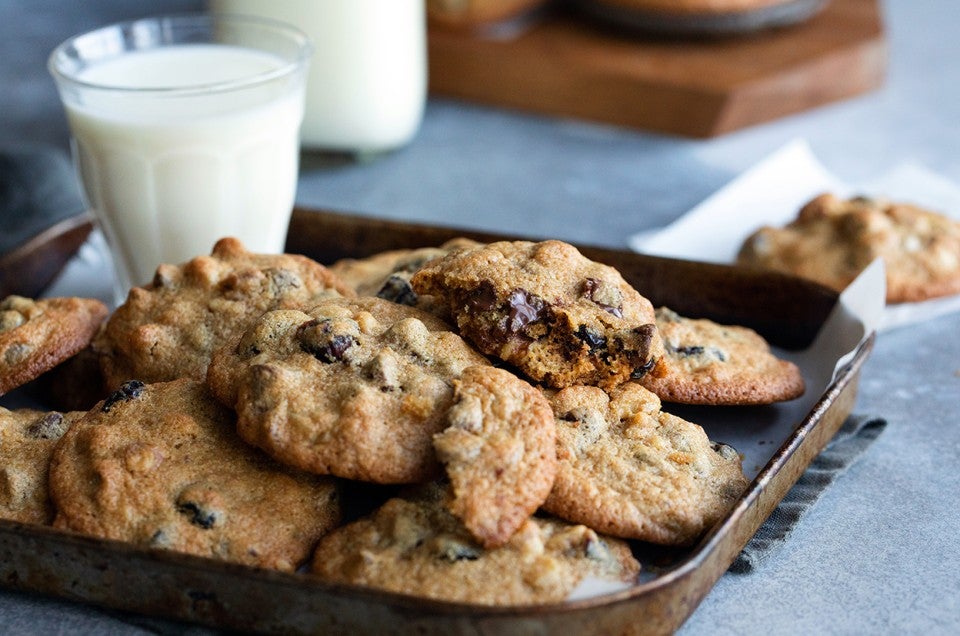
<point x="559" y="317"/>
<point x="161" y="465"/>
<point x="37" y="335"/>
<point x="27" y="439"/>
<point x="354" y="388"/>
<point x="708" y="363"/>
<point x="415" y="546"/>
<point x="169" y="329"/>
<point x="832" y="240"/>
<point x="499" y="452"/>
<point x="628" y="469"/>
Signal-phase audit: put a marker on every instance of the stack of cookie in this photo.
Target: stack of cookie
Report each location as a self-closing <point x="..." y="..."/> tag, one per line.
<point x="422" y="421"/>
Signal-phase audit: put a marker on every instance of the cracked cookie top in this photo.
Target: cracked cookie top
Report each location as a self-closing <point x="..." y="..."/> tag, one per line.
<point x="354" y="388"/>
<point x="559" y="317"/>
<point x="169" y="328"/>
<point x="161" y="465"/>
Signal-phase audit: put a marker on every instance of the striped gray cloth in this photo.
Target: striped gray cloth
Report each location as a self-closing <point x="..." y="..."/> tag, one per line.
<point x="850" y="442"/>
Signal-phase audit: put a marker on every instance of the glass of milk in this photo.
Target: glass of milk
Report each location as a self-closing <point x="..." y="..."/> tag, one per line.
<point x="367" y="83"/>
<point x="185" y="129"/>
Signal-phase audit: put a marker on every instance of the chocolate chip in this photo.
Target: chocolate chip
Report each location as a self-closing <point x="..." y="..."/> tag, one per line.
<point x="49" y="426"/>
<point x="397" y="289"/>
<point x="595" y="341"/>
<point x="127" y="391"/>
<point x="693" y="350"/>
<point x="525" y="308"/>
<point x="481" y="299"/>
<point x="604" y="296"/>
<point x="197" y="515"/>
<point x="639" y="372"/>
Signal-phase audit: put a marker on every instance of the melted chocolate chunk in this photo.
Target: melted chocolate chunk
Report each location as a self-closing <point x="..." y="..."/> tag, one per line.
<point x="639" y="372"/>
<point x="397" y="289"/>
<point x="127" y="391"/>
<point x="595" y="341"/>
<point x="525" y="308"/>
<point x="481" y="299"/>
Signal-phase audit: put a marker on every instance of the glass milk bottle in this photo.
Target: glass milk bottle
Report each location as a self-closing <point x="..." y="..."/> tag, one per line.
<point x="367" y="81"/>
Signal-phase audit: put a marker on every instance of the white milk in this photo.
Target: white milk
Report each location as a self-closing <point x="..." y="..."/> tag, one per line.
<point x="168" y="177"/>
<point x="367" y="81"/>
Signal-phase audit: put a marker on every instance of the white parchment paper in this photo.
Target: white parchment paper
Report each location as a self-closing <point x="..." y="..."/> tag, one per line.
<point x="773" y="191"/>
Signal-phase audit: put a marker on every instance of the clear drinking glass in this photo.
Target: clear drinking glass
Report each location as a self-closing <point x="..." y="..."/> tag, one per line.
<point x="185" y="130"/>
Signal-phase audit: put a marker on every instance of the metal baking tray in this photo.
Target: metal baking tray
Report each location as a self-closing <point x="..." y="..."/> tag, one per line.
<point x="788" y="311"/>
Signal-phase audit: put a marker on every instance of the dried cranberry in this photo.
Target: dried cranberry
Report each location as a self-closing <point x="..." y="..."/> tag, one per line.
<point x="127" y="391"/>
<point x="397" y="289"/>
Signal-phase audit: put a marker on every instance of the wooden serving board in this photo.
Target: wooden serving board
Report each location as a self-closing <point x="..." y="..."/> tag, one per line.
<point x="566" y="65"/>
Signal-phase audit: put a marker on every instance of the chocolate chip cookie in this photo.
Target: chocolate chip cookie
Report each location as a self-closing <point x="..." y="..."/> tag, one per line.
<point x="709" y="363"/>
<point x="387" y="274"/>
<point x="499" y="452"/>
<point x="37" y="335"/>
<point x="628" y="469"/>
<point x="559" y="317"/>
<point x="169" y="328"/>
<point x="161" y="465"/>
<point x="27" y="439"/>
<point x="354" y="388"/>
<point x="832" y="240"/>
<point x="415" y="546"/>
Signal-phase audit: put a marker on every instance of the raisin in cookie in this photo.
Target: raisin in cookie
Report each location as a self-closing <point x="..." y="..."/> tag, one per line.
<point x="832" y="240"/>
<point x="387" y="274"/>
<point x="630" y="470"/>
<point x="169" y="328"/>
<point x="354" y="388"/>
<point x="27" y="438"/>
<point x="708" y="363"/>
<point x="415" y="546"/>
<point x="499" y="452"/>
<point x="559" y="317"/>
<point x="37" y="335"/>
<point x="160" y="465"/>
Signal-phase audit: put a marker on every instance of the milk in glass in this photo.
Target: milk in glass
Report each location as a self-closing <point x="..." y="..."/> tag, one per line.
<point x="167" y="177"/>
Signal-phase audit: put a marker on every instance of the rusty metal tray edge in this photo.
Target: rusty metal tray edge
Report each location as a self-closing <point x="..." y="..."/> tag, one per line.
<point x="183" y="587"/>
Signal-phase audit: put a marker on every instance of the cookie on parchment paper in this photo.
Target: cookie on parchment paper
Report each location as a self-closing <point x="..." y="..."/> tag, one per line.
<point x="628" y="469"/>
<point x="832" y="240"/>
<point x="37" y="335"/>
<point x="354" y="388"/>
<point x="161" y="465"/>
<point x="27" y="439"/>
<point x="499" y="452"/>
<point x="708" y="363"/>
<point x="415" y="546"/>
<point x="169" y="328"/>
<point x="559" y="317"/>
